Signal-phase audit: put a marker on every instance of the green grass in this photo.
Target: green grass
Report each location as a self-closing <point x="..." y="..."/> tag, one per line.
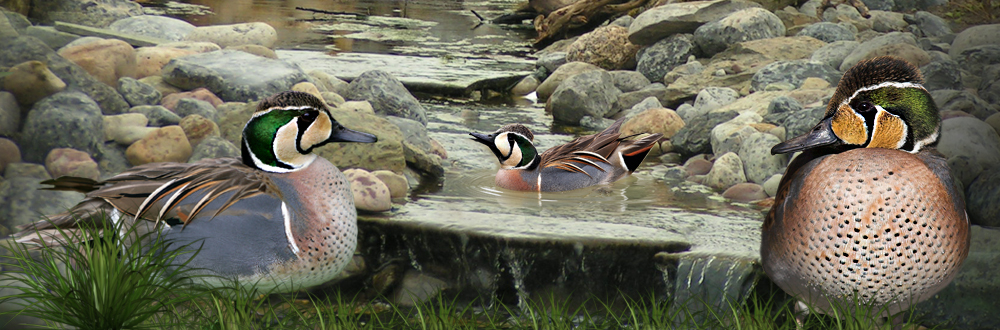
<point x="106" y="285"/>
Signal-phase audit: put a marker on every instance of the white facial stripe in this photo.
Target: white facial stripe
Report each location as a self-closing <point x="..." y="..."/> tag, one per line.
<point x="884" y="84"/>
<point x="515" y="156"/>
<point x="288" y="228"/>
<point x="920" y="144"/>
<point x="263" y="166"/>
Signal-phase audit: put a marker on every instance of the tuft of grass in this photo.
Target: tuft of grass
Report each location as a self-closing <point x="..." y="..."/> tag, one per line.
<point x="99" y="282"/>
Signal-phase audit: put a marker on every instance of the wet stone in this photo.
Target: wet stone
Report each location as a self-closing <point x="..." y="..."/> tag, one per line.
<point x="10" y="114"/>
<point x="387" y="96"/>
<point x="22" y="200"/>
<point x="233" y="75"/>
<point x="370" y="194"/>
<point x="726" y="172"/>
<point x="63" y="120"/>
<point x="166" y="144"/>
<point x="158" y="116"/>
<point x="190" y="106"/>
<point x="9" y="153"/>
<point x="138" y="93"/>
<point x="69" y="162"/>
<point x="214" y="147"/>
<point x="745" y="192"/>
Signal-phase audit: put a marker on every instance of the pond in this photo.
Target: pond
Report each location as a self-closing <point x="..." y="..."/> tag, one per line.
<point x="639" y="236"/>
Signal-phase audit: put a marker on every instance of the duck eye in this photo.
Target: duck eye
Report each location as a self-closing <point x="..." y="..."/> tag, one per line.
<point x="308" y="117"/>
<point x="865" y="107"/>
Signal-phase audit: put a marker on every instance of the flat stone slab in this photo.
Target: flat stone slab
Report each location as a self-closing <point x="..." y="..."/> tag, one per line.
<point x="434" y="75"/>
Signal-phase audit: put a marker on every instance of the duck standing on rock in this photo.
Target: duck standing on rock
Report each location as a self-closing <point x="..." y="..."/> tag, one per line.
<point x="868" y="213"/>
<point x="280" y="219"/>
<point x="589" y="160"/>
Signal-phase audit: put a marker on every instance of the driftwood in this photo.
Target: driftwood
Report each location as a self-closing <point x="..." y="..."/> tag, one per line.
<point x="577" y="16"/>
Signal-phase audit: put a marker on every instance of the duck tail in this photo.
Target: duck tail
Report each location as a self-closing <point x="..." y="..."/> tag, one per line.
<point x="635" y="152"/>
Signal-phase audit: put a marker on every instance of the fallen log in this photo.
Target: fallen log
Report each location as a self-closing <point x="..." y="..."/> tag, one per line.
<point x="577" y="17"/>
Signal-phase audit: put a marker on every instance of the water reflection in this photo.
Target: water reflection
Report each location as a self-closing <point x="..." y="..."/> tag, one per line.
<point x="456" y="24"/>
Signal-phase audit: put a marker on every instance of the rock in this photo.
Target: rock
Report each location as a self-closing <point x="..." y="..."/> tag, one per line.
<point x="158" y="116"/>
<point x="387" y="96"/>
<point x="659" y="58"/>
<point x="994" y="120"/>
<point x="161" y="86"/>
<point x="398" y="187"/>
<point x="197" y="128"/>
<point x="793" y="72"/>
<point x="138" y="93"/>
<point x="712" y="98"/>
<point x="887" y="21"/>
<point x="628" y="81"/>
<point x="63" y="120"/>
<point x="745" y="192"/>
<point x="165" y="144"/>
<point x="682" y="17"/>
<point x="880" y="46"/>
<point x="255" y="50"/>
<point x="10" y="115"/>
<point x="697" y="166"/>
<point x="191" y="106"/>
<point x="114" y="124"/>
<point x="71" y="162"/>
<point x="989" y="83"/>
<point x="930" y="25"/>
<point x="212" y="147"/>
<point x="194" y="46"/>
<point x="22" y="200"/>
<point x="53" y="38"/>
<point x="964" y="169"/>
<point x="758" y="162"/>
<point x="833" y="54"/>
<point x="79" y="42"/>
<point x="629" y="100"/>
<point x="965" y="101"/>
<point x="590" y="93"/>
<point x="96" y="13"/>
<point x="106" y="60"/>
<point x="827" y="32"/>
<point x="729" y="136"/>
<point x="970" y="137"/>
<point x="656" y="120"/>
<point x="526" y="86"/>
<point x="695" y="137"/>
<point x="551" y="60"/>
<point x="983" y="198"/>
<point x="233" y="75"/>
<point x="31" y="81"/>
<point x="308" y="87"/>
<point x="162" y="27"/>
<point x="417" y="147"/>
<point x="963" y="303"/>
<point x="549" y="85"/>
<point x="783" y="104"/>
<point x="945" y="74"/>
<point x="798" y="122"/>
<point x="334" y="99"/>
<point x="325" y="82"/>
<point x="9" y="153"/>
<point x="386" y="154"/>
<point x="370" y="194"/>
<point x="771" y="185"/>
<point x="744" y="25"/>
<point x="256" y="33"/>
<point x="417" y="288"/>
<point x="201" y="94"/>
<point x="974" y="36"/>
<point x="606" y="47"/>
<point x="976" y="59"/>
<point x="726" y="172"/>
<point x="647" y="103"/>
<point x="149" y="61"/>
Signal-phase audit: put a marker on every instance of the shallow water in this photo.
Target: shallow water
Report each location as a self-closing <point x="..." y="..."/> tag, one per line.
<point x="489" y="238"/>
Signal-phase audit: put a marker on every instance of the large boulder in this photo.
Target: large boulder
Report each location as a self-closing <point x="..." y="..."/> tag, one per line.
<point x="22" y="201"/>
<point x="162" y="27"/>
<point x="680" y="17"/>
<point x="828" y="32"/>
<point x="664" y="55"/>
<point x="255" y="33"/>
<point x="587" y="94"/>
<point x="549" y="85"/>
<point x="18" y="50"/>
<point x="974" y="36"/>
<point x="606" y="47"/>
<point x="97" y="13"/>
<point x="387" y="95"/>
<point x="31" y="81"/>
<point x="63" y="120"/>
<point x="744" y="25"/>
<point x="971" y="137"/>
<point x="887" y="44"/>
<point x="793" y="73"/>
<point x="233" y="75"/>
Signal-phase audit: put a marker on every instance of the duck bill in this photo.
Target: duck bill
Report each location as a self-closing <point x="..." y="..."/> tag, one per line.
<point x="820" y="135"/>
<point x="486" y="139"/>
<point x="348" y="135"/>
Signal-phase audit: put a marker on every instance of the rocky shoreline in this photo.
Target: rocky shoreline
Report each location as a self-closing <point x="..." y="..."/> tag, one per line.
<point x="723" y="80"/>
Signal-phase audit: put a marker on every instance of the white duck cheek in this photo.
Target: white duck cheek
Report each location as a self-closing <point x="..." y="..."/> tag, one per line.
<point x="316" y="133"/>
<point x="515" y="157"/>
<point x="502" y="145"/>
